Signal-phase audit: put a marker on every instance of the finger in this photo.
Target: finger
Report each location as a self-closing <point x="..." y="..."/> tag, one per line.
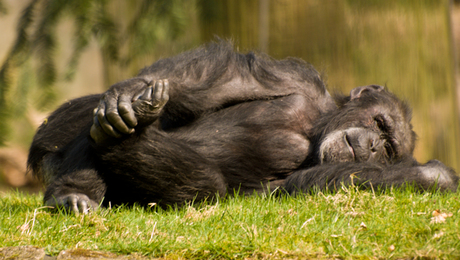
<point x="96" y="132"/>
<point x="158" y="92"/>
<point x="73" y="204"/>
<point x="121" y="118"/>
<point x="116" y="122"/>
<point x="95" y="111"/>
<point x="99" y="109"/>
<point x="108" y="108"/>
<point x="147" y="95"/>
<point x="93" y="205"/>
<point x="98" y="114"/>
<point x="83" y="206"/>
<point x="166" y="90"/>
<point x="125" y="109"/>
<point x="105" y="125"/>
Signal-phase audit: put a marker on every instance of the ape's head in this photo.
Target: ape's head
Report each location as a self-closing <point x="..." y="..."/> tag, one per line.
<point x="371" y="124"/>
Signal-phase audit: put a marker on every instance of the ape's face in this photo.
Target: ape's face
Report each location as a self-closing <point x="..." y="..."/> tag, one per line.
<point x="372" y="125"/>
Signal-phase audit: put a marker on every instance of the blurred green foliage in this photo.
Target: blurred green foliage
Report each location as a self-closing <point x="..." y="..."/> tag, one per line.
<point x="403" y="44"/>
<point x="126" y="33"/>
<point x="3" y="9"/>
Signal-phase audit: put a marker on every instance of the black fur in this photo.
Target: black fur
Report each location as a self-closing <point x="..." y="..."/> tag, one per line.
<point x="227" y="121"/>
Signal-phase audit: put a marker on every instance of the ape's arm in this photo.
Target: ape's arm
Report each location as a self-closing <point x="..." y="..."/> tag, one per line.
<point x="433" y="174"/>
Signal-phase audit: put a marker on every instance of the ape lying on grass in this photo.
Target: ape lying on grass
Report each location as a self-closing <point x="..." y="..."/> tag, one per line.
<point x="211" y="121"/>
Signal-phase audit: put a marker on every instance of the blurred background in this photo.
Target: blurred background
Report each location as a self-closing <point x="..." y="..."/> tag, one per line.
<point x="54" y="50"/>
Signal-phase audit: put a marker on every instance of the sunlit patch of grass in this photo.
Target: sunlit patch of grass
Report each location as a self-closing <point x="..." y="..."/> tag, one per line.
<point x="349" y="223"/>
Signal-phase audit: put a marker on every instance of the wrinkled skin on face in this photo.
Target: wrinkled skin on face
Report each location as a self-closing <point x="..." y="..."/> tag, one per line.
<point x="371" y="125"/>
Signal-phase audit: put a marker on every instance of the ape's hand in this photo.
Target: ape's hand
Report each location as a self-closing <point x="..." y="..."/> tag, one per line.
<point x="125" y="105"/>
<point x="75" y="202"/>
<point x="147" y="107"/>
<point x="436" y="172"/>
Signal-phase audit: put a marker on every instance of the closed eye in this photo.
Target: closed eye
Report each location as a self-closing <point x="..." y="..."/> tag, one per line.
<point x="380" y="121"/>
<point x="385" y="128"/>
<point x="389" y="151"/>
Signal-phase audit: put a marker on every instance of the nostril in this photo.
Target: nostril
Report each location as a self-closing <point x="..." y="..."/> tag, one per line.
<point x="373" y="145"/>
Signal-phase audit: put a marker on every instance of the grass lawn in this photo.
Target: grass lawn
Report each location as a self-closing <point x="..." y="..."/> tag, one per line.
<point x="348" y="224"/>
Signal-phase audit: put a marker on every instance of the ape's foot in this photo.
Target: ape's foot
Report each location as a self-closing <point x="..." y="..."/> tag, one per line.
<point x="148" y="105"/>
<point x="74" y="202"/>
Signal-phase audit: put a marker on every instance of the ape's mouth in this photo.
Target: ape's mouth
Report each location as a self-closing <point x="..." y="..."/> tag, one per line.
<point x="346" y="139"/>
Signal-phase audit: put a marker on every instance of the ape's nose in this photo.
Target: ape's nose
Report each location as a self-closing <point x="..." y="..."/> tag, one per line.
<point x="366" y="144"/>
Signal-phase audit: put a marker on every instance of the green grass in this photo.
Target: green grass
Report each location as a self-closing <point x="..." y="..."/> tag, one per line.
<point x="348" y="224"/>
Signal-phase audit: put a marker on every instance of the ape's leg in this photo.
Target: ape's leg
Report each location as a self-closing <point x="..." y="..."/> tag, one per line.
<point x="62" y="157"/>
<point x="56" y="133"/>
<point x="75" y="184"/>
<point x="433" y="174"/>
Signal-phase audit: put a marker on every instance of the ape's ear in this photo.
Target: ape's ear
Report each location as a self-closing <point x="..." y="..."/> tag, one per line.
<point x="357" y="92"/>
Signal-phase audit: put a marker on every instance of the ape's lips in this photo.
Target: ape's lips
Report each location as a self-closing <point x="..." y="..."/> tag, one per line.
<point x="350" y="147"/>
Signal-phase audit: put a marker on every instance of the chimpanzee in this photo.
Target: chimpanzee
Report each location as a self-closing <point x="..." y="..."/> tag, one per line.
<point x="212" y="121"/>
